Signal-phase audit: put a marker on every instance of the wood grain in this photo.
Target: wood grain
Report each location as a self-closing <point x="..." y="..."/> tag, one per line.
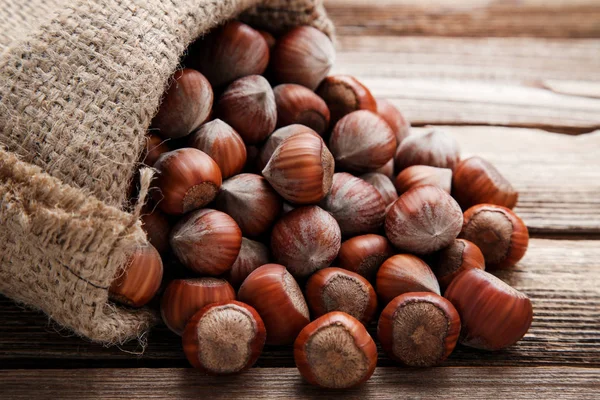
<point x="557" y="176"/>
<point x="386" y="383"/>
<point x="506" y="60"/>
<point x="550" y="18"/>
<point x="562" y="278"/>
<point x="523" y="82"/>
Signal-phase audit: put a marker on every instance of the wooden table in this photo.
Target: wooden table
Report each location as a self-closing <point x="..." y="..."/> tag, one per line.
<point x="518" y="84"/>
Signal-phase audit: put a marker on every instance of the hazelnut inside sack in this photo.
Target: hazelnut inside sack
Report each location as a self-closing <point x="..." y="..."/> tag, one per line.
<point x="81" y="84"/>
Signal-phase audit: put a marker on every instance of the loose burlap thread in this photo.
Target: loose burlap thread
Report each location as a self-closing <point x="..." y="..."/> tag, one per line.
<point x="79" y="84"/>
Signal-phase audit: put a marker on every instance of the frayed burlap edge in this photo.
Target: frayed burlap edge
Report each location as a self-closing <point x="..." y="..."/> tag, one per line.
<point x="59" y="250"/>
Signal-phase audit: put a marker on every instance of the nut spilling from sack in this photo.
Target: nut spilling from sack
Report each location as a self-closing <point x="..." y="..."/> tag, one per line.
<point x="314" y="201"/>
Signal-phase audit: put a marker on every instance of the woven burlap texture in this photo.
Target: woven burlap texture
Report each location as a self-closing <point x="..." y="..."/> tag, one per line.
<point x="79" y="83"/>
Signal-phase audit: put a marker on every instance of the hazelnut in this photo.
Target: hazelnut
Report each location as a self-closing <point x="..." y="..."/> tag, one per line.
<point x="451" y="261"/>
<point x="384" y="186"/>
<point x="138" y="280"/>
<point x="276" y="138"/>
<point x="222" y="144"/>
<point x="185" y="106"/>
<point x="157" y="227"/>
<point x="355" y="204"/>
<point x="476" y="181"/>
<point x="298" y="105"/>
<point x="362" y="141"/>
<point x="252" y="255"/>
<point x="188" y="179"/>
<point x="274" y="293"/>
<point x="185" y="297"/>
<point x="248" y="105"/>
<point x="155" y="147"/>
<point x="305" y="240"/>
<point x="230" y="52"/>
<point x="251" y="202"/>
<point x="336" y="289"/>
<point x="268" y="38"/>
<point x="301" y="169"/>
<point x="421" y="175"/>
<point x="304" y="56"/>
<point x="419" y="329"/>
<point x="404" y="273"/>
<point x="499" y="233"/>
<point x="423" y="220"/>
<point x="335" y="351"/>
<point x="364" y="254"/>
<point x="344" y="94"/>
<point x="493" y="314"/>
<point x="399" y="124"/>
<point x="224" y="338"/>
<point x="387" y="169"/>
<point x="435" y="148"/>
<point x="207" y="241"/>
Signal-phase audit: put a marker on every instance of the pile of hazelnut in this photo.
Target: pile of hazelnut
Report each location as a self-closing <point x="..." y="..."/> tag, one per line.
<point x="313" y="184"/>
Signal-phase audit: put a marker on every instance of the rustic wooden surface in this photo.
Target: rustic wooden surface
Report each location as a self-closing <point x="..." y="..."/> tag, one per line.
<point x="261" y="383"/>
<point x="531" y="105"/>
<point x="542" y="18"/>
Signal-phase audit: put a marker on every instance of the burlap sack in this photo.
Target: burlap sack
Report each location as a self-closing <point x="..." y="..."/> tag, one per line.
<point x="79" y="83"/>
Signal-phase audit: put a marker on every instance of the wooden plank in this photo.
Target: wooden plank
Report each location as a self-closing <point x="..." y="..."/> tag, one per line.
<point x="539" y="83"/>
<point x="541" y="18"/>
<point x="557" y="176"/>
<point x="386" y="383"/>
<point x="562" y="277"/>
<point x="508" y="60"/>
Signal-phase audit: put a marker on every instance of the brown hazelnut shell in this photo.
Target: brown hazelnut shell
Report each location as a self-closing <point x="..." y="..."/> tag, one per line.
<point x="499" y="233"/>
<point x="435" y="148"/>
<point x="222" y="143"/>
<point x="188" y="179"/>
<point x="157" y="227"/>
<point x="451" y="261"/>
<point x="345" y="94"/>
<point x="136" y="283"/>
<point x="185" y="105"/>
<point x="207" y="241"/>
<point x="404" y="273"/>
<point x="252" y="255"/>
<point x="493" y="314"/>
<point x="395" y="119"/>
<point x="421" y="175"/>
<point x="251" y="202"/>
<point x="230" y="52"/>
<point x="362" y="141"/>
<point x="355" y="204"/>
<point x="274" y="293"/>
<point x="303" y="56"/>
<point x="476" y="181"/>
<point x="185" y="297"/>
<point x="301" y="169"/>
<point x="364" y="254"/>
<point x="423" y="220"/>
<point x="387" y="169"/>
<point x="224" y="338"/>
<point x="305" y="240"/>
<point x="248" y="105"/>
<point x="384" y="186"/>
<point x="155" y="147"/>
<point x="297" y="104"/>
<point x="419" y="329"/>
<point x="276" y="138"/>
<point x="335" y="351"/>
<point x="336" y="289"/>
